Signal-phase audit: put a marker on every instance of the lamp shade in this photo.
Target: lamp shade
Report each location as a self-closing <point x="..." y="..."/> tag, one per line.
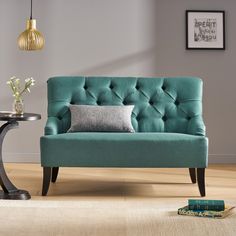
<point x="31" y="38"/>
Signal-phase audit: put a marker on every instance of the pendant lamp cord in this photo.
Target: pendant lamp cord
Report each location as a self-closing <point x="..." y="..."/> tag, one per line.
<point x="31" y="9"/>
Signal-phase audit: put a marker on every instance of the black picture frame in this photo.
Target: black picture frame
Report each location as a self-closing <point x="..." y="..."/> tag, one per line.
<point x="205" y="30"/>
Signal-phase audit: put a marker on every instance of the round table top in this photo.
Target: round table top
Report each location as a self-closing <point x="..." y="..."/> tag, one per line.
<point x="11" y="116"/>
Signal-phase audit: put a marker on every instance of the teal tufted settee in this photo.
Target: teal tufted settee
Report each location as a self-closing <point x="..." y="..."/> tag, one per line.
<point x="167" y="118"/>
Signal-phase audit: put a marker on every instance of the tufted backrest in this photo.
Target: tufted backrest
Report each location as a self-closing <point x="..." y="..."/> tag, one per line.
<point x="161" y="104"/>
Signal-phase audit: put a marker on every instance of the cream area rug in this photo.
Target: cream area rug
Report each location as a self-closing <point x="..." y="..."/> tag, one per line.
<point x="126" y="217"/>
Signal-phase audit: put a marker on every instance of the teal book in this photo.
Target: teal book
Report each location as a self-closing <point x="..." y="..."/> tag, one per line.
<point x="209" y="205"/>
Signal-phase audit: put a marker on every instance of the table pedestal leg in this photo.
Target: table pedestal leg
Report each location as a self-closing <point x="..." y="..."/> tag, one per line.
<point x="9" y="190"/>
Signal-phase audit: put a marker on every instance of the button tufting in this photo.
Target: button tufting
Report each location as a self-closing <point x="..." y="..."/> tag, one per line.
<point x="125" y="103"/>
<point x="99" y="103"/>
<point x="188" y="118"/>
<point x="85" y="87"/>
<point x="176" y="102"/>
<point x="163" y="87"/>
<point x="137" y="87"/>
<point x="111" y="86"/>
<point x="151" y="103"/>
<point x="164" y="118"/>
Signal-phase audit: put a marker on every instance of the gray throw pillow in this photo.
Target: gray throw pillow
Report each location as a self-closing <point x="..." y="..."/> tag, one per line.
<point x="88" y="118"/>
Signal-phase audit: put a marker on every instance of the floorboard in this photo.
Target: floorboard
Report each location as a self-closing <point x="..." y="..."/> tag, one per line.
<point x="77" y="183"/>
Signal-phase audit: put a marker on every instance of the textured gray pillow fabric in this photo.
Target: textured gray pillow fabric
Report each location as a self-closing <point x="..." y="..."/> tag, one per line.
<point x="89" y="118"/>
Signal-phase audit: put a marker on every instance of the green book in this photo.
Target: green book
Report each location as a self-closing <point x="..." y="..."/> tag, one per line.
<point x="204" y="213"/>
<point x="211" y="205"/>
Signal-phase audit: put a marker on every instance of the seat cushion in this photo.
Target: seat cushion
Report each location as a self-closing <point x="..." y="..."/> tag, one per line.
<point x="124" y="150"/>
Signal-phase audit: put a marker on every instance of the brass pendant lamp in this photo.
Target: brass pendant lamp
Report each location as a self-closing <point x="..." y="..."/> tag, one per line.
<point x="31" y="38"/>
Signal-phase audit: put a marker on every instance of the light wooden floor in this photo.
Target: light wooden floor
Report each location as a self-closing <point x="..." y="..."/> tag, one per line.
<point x="115" y="202"/>
<point x="99" y="183"/>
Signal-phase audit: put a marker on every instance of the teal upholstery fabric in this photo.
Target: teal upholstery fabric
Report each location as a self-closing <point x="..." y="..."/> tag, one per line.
<point x="124" y="150"/>
<point x="162" y="105"/>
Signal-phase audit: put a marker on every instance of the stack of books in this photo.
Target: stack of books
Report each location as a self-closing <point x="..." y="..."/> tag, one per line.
<point x="206" y="208"/>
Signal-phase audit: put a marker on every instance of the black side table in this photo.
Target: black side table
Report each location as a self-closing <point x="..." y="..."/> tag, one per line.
<point x="9" y="190"/>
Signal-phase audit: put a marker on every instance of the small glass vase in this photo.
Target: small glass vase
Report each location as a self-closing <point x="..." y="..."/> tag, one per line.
<point x="18" y="106"/>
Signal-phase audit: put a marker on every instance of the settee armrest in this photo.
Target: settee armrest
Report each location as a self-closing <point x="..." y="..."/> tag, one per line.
<point x="53" y="126"/>
<point x="196" y="126"/>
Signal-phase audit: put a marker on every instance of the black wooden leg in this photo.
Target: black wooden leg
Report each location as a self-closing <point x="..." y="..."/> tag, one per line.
<point x="54" y="174"/>
<point x="46" y="179"/>
<point x="192" y="173"/>
<point x="201" y="181"/>
<point x="9" y="190"/>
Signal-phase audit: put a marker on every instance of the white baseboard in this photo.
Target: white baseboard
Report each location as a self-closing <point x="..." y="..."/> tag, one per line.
<point x="222" y="158"/>
<point x="21" y="157"/>
<point x="35" y="158"/>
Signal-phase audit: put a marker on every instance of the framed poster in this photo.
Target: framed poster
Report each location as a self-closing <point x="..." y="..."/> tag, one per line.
<point x="205" y="29"/>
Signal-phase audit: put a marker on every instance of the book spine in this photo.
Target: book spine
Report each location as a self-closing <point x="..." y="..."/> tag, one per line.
<point x="208" y="214"/>
<point x="211" y="214"/>
<point x="210" y="205"/>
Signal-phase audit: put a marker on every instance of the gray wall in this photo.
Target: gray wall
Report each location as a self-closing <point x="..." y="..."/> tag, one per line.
<point x="116" y="37"/>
